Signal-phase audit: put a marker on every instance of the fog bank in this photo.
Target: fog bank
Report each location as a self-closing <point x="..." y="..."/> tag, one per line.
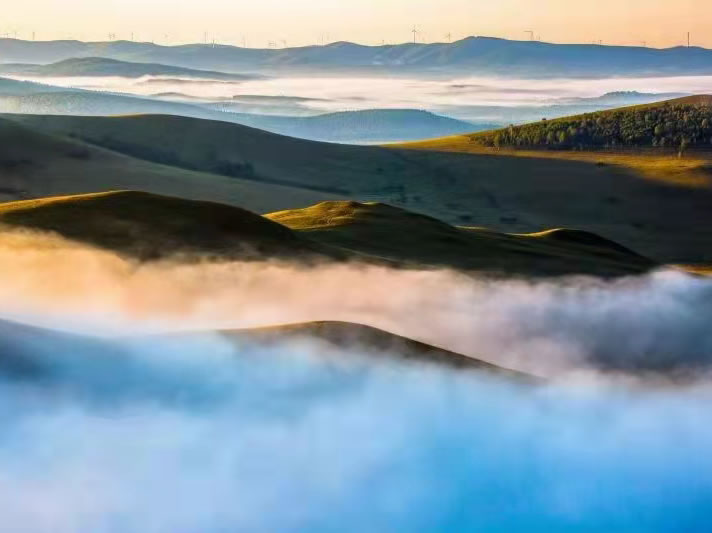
<point x="549" y="328"/>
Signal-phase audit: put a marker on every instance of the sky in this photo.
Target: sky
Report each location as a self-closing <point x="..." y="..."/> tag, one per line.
<point x="658" y="23"/>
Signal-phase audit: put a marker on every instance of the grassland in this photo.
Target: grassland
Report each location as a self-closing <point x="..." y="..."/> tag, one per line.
<point x="660" y="206"/>
<point x="35" y="164"/>
<point x="148" y="226"/>
<point x="145" y="226"/>
<point x="394" y="234"/>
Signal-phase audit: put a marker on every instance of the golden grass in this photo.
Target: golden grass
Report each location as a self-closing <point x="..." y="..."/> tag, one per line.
<point x="397" y="235"/>
<point x="701" y="270"/>
<point x="149" y="226"/>
<point x="694" y="170"/>
<point x="661" y="209"/>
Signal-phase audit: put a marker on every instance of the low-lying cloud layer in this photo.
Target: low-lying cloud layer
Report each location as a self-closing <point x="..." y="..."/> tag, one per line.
<point x="157" y="434"/>
<point x="549" y="328"/>
<point x="207" y="436"/>
<point x="358" y="93"/>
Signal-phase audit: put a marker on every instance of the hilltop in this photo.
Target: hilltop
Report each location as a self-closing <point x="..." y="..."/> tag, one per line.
<point x="371" y="341"/>
<point x="101" y="66"/>
<point x="371" y="126"/>
<point x="679" y="123"/>
<point x="481" y="55"/>
<point x="148" y="227"/>
<point x="395" y="234"/>
<point x="32" y="353"/>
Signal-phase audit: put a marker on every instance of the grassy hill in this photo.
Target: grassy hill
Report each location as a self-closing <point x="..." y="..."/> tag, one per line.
<point x="35" y="164"/>
<point x="371" y="341"/>
<point x="147" y="226"/>
<point x="33" y="353"/>
<point x="660" y="206"/>
<point x="397" y="235"/>
<point x="678" y="124"/>
<point x="370" y="126"/>
<point x="100" y="66"/>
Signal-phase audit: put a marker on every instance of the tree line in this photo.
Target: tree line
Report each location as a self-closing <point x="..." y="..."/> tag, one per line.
<point x="671" y="125"/>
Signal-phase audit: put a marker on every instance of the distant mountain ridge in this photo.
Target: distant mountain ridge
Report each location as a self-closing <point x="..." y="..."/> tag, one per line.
<point x="100" y="66"/>
<point x="471" y="55"/>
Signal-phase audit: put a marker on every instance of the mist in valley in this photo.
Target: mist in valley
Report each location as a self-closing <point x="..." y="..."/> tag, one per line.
<point x="472" y="98"/>
<point x="152" y="421"/>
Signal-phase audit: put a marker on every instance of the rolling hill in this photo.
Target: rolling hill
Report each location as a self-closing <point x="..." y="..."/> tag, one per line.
<point x="55" y="357"/>
<point x="678" y="124"/>
<point x="658" y="206"/>
<point x="100" y="66"/>
<point x="481" y="55"/>
<point x="35" y="164"/>
<point x="146" y="227"/>
<point x="372" y="126"/>
<point x="373" y="341"/>
<point x="398" y="235"/>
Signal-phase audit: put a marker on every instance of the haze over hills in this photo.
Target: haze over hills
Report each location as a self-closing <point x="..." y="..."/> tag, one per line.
<point x="372" y="126"/>
<point x="99" y="66"/>
<point x="622" y="98"/>
<point x="21" y="358"/>
<point x="482" y="55"/>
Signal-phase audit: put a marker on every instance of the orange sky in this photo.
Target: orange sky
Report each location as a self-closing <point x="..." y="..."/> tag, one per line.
<point x="298" y="22"/>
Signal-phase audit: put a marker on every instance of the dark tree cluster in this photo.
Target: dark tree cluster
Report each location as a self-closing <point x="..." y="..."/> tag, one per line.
<point x="671" y="125"/>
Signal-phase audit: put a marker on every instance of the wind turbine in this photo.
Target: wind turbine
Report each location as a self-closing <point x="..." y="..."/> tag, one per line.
<point x="415" y="34"/>
<point x="531" y="34"/>
<point x="449" y="37"/>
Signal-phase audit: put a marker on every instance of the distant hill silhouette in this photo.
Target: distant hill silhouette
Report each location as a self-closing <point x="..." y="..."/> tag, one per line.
<point x="481" y="55"/>
<point x="99" y="66"/>
<point x="371" y="126"/>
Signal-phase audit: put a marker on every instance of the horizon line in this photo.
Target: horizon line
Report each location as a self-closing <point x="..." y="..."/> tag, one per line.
<point x="215" y="44"/>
